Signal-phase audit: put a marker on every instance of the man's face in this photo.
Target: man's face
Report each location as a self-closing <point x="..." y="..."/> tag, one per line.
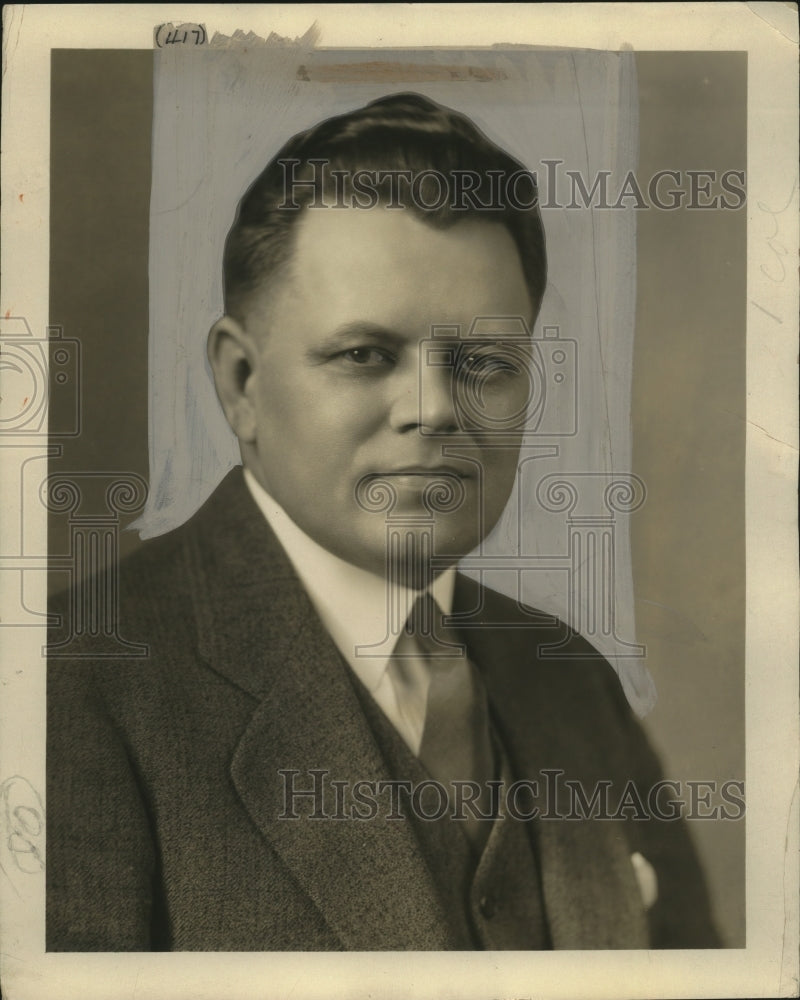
<point x="345" y="399"/>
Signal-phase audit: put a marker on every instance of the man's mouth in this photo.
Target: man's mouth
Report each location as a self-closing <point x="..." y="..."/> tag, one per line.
<point x="439" y="489"/>
<point x="424" y="471"/>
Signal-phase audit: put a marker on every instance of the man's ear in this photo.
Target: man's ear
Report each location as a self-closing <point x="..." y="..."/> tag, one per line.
<point x="233" y="356"/>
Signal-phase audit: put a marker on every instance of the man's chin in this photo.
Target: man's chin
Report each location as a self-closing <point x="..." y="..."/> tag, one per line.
<point x="413" y="559"/>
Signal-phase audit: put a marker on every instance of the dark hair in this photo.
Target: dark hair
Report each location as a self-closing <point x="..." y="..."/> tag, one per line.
<point x="404" y="132"/>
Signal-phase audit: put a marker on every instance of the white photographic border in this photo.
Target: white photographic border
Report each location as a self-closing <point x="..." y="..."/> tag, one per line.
<point x="768" y="966"/>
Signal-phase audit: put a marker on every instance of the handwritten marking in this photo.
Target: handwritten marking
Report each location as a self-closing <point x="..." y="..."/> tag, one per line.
<point x="779" y="251"/>
<point x="21" y="826"/>
<point x="183" y="34"/>
<point x="776" y="273"/>
<point x="766" y="311"/>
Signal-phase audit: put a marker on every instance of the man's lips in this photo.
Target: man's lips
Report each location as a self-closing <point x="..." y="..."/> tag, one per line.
<point x="429" y="472"/>
<point x="439" y="488"/>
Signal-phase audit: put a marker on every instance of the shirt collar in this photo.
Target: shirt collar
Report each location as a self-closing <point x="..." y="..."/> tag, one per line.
<point x="351" y="602"/>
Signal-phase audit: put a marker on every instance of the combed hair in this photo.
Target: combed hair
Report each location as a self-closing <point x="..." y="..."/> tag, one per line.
<point x="401" y="132"/>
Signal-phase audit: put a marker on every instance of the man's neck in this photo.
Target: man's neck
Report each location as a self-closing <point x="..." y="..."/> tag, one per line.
<point x="355" y="605"/>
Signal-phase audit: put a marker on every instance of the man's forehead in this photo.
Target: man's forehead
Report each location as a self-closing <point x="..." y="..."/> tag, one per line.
<point x="384" y="223"/>
<point x="339" y="249"/>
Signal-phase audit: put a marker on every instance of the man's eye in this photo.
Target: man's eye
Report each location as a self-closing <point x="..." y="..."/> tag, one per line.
<point x="486" y="366"/>
<point x="366" y="357"/>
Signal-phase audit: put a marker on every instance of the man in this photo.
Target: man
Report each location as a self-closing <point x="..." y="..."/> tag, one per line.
<point x="337" y="741"/>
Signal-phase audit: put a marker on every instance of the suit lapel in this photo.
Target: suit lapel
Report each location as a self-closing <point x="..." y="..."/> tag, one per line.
<point x="259" y="630"/>
<point x="588" y="883"/>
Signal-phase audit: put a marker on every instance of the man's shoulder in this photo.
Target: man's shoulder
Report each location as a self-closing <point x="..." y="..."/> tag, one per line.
<point x="157" y="578"/>
<point x="485" y="609"/>
<point x="228" y="502"/>
<point x="532" y="654"/>
<point x="156" y="558"/>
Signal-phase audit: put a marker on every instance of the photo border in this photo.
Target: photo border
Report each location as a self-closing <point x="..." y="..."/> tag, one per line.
<point x="768" y="965"/>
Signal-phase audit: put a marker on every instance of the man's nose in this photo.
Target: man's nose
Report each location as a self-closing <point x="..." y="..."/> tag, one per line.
<point x="425" y="401"/>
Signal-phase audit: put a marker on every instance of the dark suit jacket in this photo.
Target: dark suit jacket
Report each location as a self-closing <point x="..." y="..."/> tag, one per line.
<point x="164" y="792"/>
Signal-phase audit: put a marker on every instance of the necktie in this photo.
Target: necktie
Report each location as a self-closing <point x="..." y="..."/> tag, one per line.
<point x="456" y="742"/>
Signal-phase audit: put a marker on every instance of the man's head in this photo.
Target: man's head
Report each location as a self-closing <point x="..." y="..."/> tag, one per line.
<point x="410" y="218"/>
<point x="343" y="160"/>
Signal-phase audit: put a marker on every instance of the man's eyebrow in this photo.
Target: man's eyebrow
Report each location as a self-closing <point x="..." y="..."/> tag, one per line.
<point x="359" y="330"/>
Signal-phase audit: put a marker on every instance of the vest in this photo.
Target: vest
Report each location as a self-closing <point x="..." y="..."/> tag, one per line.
<point x="494" y="902"/>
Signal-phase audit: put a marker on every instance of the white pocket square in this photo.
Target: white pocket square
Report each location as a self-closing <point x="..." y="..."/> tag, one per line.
<point x="646" y="878"/>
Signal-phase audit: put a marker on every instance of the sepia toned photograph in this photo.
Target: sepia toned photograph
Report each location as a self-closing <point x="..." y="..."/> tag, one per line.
<point x="383" y="448"/>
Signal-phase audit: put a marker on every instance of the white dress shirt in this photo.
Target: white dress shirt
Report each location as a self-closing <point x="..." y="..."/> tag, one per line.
<point x="352" y="604"/>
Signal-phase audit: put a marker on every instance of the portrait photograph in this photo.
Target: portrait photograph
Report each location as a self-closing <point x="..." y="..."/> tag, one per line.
<point x="399" y="431"/>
